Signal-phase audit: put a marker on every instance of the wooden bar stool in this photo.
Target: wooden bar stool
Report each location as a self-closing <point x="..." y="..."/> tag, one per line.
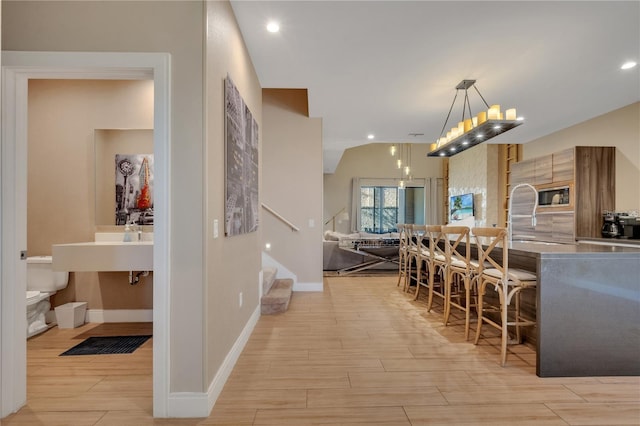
<point x="427" y="268"/>
<point x="460" y="272"/>
<point x="402" y="252"/>
<point x="508" y="282"/>
<point x="438" y="262"/>
<point x="413" y="235"/>
<point x="422" y="267"/>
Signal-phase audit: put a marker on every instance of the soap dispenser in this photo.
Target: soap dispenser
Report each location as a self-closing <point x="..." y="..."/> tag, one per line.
<point x="127" y="233"/>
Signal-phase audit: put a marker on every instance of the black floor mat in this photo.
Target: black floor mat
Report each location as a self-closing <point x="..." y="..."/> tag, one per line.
<point x="104" y="345"/>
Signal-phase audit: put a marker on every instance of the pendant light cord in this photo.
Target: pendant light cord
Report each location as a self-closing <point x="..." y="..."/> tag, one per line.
<point x="466" y="104"/>
<point x="444" y="126"/>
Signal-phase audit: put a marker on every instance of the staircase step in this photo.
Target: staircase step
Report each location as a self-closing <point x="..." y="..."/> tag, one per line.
<point x="268" y="278"/>
<point x="277" y="299"/>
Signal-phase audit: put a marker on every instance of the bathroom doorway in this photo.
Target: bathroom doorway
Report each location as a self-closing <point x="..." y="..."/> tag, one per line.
<point x="18" y="68"/>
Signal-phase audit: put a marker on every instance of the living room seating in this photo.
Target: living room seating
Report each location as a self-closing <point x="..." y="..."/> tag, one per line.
<point x="337" y="259"/>
<point x="508" y="283"/>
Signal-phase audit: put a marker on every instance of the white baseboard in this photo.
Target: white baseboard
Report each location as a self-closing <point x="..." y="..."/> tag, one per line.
<point x="230" y="360"/>
<point x="307" y="286"/>
<point x="194" y="404"/>
<point x="188" y="404"/>
<point x="119" y="315"/>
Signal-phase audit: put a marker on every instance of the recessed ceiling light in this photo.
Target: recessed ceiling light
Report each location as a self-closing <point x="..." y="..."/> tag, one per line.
<point x="520" y="119"/>
<point x="452" y="149"/>
<point x="465" y="143"/>
<point x="370" y="136"/>
<point x="442" y="154"/>
<point x="628" y="65"/>
<point x="273" y="27"/>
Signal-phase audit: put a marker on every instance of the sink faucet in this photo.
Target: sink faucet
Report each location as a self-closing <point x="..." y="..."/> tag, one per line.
<point x="137" y="229"/>
<point x="511" y="216"/>
<point x="133" y="232"/>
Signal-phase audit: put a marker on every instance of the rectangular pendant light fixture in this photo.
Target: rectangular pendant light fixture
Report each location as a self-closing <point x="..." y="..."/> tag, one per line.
<point x="471" y="131"/>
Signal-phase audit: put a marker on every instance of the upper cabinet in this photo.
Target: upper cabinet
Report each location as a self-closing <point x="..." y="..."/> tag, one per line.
<point x="536" y="171"/>
<point x="562" y="165"/>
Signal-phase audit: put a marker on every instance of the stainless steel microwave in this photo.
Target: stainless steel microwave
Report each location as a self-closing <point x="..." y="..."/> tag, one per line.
<point x="557" y="196"/>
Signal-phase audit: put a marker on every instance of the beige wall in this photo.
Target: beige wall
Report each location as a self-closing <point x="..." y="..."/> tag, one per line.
<point x="61" y="196"/>
<point x="292" y="177"/>
<point x="232" y="264"/>
<point x="370" y="161"/>
<point x="175" y="27"/>
<point x="619" y="128"/>
<point x="476" y="171"/>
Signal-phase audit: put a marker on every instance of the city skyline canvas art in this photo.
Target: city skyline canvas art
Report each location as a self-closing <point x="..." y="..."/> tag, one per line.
<point x="241" y="164"/>
<point x="134" y="189"/>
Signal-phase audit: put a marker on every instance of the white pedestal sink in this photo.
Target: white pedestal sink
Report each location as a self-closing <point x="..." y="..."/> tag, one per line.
<point x="103" y="255"/>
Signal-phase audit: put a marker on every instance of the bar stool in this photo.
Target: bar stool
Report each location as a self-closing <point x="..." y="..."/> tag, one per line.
<point x="508" y="282"/>
<point x="402" y="252"/>
<point x="459" y="269"/>
<point x="413" y="235"/>
<point x="420" y="257"/>
<point x="438" y="262"/>
<point x="427" y="266"/>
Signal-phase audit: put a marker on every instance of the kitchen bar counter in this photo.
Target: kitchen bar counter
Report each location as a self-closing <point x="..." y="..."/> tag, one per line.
<point x="588" y="307"/>
<point x="612" y="241"/>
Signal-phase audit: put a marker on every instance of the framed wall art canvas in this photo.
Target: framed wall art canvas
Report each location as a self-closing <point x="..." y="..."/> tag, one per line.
<point x="241" y="164"/>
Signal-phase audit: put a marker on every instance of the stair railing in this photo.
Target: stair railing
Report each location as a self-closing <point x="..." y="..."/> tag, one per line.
<point x="280" y="217"/>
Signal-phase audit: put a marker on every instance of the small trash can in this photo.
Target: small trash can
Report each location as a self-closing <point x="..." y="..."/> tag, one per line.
<point x="71" y="315"/>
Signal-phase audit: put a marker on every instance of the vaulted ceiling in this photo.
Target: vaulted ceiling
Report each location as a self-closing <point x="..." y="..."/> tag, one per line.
<point x="389" y="68"/>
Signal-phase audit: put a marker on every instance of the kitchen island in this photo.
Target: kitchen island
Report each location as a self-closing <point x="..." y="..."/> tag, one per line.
<point x="587" y="307"/>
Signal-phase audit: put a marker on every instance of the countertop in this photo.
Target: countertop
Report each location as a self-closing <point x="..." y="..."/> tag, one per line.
<point x="541" y="248"/>
<point x="613" y="241"/>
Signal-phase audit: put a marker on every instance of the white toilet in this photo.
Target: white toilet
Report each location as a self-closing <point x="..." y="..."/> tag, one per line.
<point x="42" y="282"/>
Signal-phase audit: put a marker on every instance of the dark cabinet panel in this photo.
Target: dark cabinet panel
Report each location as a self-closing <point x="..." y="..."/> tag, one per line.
<point x="595" y="187"/>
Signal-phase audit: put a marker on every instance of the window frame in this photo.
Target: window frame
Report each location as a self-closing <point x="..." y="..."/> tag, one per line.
<point x="358" y="183"/>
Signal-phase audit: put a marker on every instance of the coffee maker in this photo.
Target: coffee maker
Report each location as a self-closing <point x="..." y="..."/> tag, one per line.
<point x="628" y="226"/>
<point x="610" y="228"/>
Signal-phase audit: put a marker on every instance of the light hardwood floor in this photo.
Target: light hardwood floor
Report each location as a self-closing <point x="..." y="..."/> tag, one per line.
<point x="360" y="353"/>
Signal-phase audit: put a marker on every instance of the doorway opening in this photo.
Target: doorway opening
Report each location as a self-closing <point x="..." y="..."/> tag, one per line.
<point x="17" y="69"/>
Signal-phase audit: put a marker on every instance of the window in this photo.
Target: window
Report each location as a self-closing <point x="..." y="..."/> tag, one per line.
<point x="378" y="209"/>
<point x="378" y="205"/>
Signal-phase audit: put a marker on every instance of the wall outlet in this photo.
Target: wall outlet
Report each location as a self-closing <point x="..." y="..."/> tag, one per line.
<point x="215" y="228"/>
<point x="312" y="223"/>
<point x="240" y="300"/>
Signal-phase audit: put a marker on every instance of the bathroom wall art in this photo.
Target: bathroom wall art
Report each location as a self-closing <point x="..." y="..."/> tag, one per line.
<point x="134" y="189"/>
<point x="241" y="164"/>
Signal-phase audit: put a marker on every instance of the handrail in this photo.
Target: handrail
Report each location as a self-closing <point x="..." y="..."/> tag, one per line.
<point x="280" y="217"/>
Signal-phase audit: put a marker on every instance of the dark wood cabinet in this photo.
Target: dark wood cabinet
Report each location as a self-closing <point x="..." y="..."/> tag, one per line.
<point x="595" y="177"/>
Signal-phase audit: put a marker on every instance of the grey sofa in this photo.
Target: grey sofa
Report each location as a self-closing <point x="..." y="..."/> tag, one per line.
<point x="334" y="258"/>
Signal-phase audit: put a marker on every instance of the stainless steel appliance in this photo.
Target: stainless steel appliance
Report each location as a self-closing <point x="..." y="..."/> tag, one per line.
<point x="558" y="196"/>
<point x="628" y="226"/>
<point x="610" y="227"/>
